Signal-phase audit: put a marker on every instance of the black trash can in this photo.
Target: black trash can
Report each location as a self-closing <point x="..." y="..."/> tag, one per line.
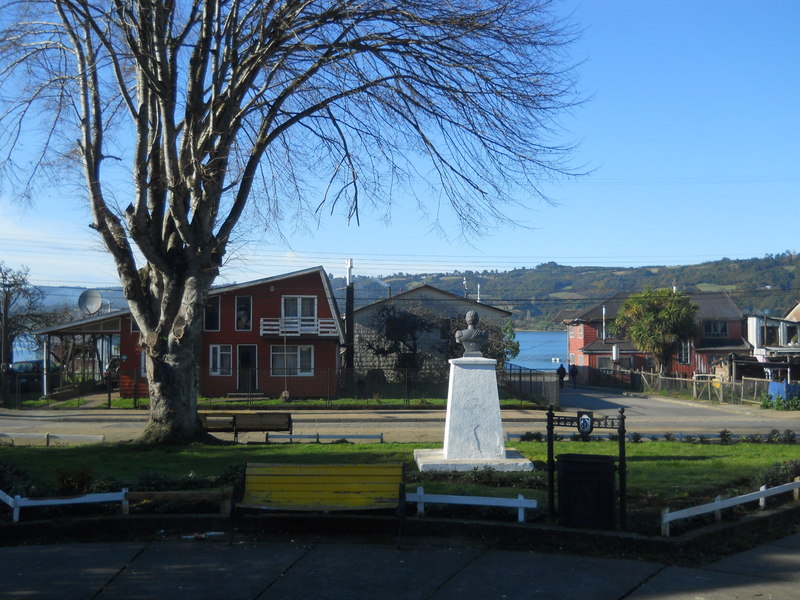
<point x="586" y="493"/>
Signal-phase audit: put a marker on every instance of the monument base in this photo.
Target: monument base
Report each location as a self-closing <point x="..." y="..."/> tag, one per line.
<point x="434" y="460"/>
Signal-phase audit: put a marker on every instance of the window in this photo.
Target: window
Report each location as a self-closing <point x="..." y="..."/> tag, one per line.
<point x="211" y="322"/>
<point x="684" y="353"/>
<point x="580" y="331"/>
<point x="715" y="329"/>
<point x="244" y="313"/>
<point x="220" y="359"/>
<point x="292" y="361"/>
<point x="571" y="331"/>
<point x="299" y="306"/>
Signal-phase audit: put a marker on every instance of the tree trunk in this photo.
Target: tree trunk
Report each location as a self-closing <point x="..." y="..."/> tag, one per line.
<point x="173" y="366"/>
<point x="172" y="382"/>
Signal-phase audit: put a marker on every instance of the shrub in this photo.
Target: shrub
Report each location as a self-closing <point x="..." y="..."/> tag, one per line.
<point x="780" y="473"/>
<point x="774" y="437"/>
<point x="669" y="436"/>
<point x="73" y="482"/>
<point x="725" y="437"/>
<point x="14" y="481"/>
<point x="789" y="437"/>
<point x="635" y="437"/>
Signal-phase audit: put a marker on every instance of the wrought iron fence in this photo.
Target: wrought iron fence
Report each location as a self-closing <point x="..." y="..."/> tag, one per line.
<point x="408" y="385"/>
<point x="540" y="387"/>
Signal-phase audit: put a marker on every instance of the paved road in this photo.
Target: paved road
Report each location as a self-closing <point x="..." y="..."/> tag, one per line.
<point x="646" y="415"/>
<point x="297" y="568"/>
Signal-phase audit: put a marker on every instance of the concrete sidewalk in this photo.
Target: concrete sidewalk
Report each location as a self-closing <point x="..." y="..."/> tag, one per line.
<point x="334" y="568"/>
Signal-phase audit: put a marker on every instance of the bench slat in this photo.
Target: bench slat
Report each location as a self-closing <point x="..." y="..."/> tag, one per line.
<point x="275" y="469"/>
<point x="244" y="421"/>
<point x="322" y="487"/>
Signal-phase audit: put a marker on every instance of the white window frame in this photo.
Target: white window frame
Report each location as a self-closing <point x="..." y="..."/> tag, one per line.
<point x="294" y="350"/>
<point x="298" y="300"/>
<point x="684" y="352"/>
<point x="249" y="316"/>
<point x="216" y="364"/>
<point x="715" y="329"/>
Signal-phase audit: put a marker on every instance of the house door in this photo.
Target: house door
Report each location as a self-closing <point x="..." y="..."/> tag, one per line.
<point x="247" y="380"/>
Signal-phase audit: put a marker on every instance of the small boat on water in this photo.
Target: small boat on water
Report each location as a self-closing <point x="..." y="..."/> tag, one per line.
<point x="555" y="359"/>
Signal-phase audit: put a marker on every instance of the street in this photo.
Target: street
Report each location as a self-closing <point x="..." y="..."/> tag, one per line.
<point x="645" y="415"/>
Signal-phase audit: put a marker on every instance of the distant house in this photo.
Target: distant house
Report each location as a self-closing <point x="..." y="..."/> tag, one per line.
<point x="274" y="335"/>
<point x="776" y="346"/>
<point x="389" y="335"/>
<point x="720" y="326"/>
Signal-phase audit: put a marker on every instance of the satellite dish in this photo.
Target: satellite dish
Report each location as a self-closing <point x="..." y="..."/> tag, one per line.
<point x="90" y="301"/>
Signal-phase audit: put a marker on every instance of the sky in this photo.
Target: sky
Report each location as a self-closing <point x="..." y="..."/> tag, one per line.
<point x="689" y="133"/>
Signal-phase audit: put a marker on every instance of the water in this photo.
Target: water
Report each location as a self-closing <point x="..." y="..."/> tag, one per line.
<point x="538" y="348"/>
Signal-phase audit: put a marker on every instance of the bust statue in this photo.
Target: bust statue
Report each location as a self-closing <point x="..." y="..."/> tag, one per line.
<point x="471" y="338"/>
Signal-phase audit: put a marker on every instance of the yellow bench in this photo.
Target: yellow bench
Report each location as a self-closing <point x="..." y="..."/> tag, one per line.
<point x="324" y="487"/>
<point x="242" y="421"/>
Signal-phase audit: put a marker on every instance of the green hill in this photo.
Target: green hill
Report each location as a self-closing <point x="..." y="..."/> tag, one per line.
<point x="768" y="285"/>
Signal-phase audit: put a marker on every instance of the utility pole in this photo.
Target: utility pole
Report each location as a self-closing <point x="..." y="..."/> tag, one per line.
<point x="4" y="366"/>
<point x="349" y="329"/>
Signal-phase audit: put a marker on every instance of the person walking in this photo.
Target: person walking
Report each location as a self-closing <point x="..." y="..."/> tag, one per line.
<point x="561" y="372"/>
<point x="573" y="375"/>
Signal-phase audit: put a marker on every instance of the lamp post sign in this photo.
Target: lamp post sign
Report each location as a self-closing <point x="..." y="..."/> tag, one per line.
<point x="585" y="424"/>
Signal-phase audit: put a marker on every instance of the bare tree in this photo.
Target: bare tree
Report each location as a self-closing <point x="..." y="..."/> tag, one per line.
<point x="20" y="313"/>
<point x="192" y="110"/>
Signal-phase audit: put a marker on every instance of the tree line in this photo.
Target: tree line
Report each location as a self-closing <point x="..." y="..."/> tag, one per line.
<point x="768" y="285"/>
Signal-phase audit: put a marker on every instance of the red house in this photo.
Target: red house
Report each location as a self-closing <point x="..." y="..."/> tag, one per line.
<point x="268" y="337"/>
<point x="592" y="347"/>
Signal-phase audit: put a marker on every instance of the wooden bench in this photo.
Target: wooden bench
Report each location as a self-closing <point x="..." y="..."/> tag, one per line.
<point x="324" y="487"/>
<point x="244" y="421"/>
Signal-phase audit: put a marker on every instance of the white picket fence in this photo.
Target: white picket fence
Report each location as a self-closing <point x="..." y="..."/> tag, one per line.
<point x="18" y="502"/>
<point x="419" y="497"/>
<point x="520" y="502"/>
<point x="46" y="438"/>
<point x="719" y="504"/>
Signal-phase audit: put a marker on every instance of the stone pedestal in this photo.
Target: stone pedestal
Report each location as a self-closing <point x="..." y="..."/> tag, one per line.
<point x="473" y="435"/>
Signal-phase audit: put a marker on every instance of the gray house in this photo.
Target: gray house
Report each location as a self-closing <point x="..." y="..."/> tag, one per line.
<point x="415" y="330"/>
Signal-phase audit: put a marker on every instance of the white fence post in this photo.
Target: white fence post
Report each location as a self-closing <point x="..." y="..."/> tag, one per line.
<point x="420" y="500"/>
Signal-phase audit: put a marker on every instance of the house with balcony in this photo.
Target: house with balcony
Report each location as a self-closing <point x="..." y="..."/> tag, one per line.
<point x="273" y="336"/>
<point x="720" y="338"/>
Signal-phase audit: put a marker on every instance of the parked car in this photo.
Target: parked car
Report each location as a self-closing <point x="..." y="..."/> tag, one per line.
<point x="26" y="375"/>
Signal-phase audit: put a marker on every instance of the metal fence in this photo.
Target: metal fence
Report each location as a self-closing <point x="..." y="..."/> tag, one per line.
<point x="540" y="387"/>
<point x="409" y="385"/>
<point x="618" y="378"/>
<point x="700" y="387"/>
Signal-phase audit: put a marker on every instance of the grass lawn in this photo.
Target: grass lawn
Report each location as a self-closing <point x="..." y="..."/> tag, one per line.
<point x="660" y="474"/>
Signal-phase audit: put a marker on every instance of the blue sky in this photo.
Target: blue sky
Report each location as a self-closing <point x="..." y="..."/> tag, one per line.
<point x="691" y="130"/>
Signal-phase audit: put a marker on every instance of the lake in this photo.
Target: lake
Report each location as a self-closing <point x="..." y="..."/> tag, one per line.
<point x="538" y="348"/>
